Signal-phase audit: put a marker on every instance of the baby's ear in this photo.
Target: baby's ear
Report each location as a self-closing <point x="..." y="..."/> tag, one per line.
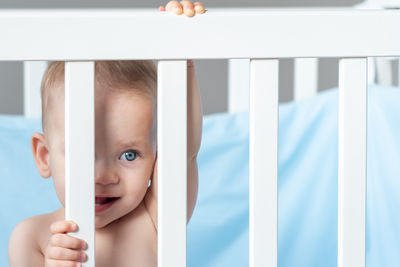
<point x="41" y="154"/>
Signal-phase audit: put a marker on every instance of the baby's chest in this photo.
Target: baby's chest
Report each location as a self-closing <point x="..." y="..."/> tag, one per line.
<point x="125" y="254"/>
<point x="127" y="246"/>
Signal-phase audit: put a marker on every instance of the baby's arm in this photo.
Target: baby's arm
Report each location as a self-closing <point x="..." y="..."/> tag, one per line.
<point x="23" y="247"/>
<point x="61" y="250"/>
<point x="194" y="120"/>
<point x="194" y="111"/>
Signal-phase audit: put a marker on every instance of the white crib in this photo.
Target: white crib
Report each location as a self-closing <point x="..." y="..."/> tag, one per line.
<point x="263" y="36"/>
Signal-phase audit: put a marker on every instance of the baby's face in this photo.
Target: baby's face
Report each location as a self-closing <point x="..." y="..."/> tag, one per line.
<point x="125" y="151"/>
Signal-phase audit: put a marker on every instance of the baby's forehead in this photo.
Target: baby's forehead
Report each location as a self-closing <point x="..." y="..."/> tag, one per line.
<point x="108" y="101"/>
<point x="131" y="93"/>
<point x="107" y="98"/>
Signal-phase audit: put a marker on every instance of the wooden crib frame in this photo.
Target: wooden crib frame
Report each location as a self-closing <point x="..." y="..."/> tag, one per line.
<point x="264" y="36"/>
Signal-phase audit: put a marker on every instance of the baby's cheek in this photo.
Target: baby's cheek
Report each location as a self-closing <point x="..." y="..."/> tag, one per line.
<point x="59" y="185"/>
<point x="57" y="166"/>
<point x="137" y="188"/>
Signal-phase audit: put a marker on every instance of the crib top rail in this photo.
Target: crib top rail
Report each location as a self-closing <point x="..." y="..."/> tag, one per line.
<point x="96" y="34"/>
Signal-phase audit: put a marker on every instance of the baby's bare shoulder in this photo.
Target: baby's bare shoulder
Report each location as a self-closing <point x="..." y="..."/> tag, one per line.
<point x="29" y="239"/>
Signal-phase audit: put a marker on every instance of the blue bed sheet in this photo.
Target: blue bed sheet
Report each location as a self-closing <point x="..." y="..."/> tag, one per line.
<point x="218" y="230"/>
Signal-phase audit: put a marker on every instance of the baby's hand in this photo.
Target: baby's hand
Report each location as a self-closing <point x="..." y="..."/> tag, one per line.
<point x="63" y="249"/>
<point x="186" y="7"/>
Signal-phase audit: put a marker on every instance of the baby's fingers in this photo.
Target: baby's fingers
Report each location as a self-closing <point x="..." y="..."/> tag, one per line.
<point x="185" y="6"/>
<point x="199" y="8"/>
<point x="63" y="227"/>
<point x="66" y="241"/>
<point x="188" y="8"/>
<point x="57" y="253"/>
<point x="174" y="6"/>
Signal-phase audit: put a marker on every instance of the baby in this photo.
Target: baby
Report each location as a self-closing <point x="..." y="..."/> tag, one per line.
<point x="125" y="163"/>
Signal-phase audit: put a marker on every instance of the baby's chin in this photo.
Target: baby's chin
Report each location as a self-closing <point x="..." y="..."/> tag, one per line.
<point x="102" y="223"/>
<point x="112" y="218"/>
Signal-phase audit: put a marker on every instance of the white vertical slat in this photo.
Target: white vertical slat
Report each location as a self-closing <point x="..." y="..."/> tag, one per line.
<point x="172" y="163"/>
<point x="398" y="72"/>
<point x="384" y="71"/>
<point x="263" y="215"/>
<point x="79" y="152"/>
<point x="33" y="73"/>
<point x="352" y="161"/>
<point x="371" y="70"/>
<point x="238" y="83"/>
<point x="305" y="78"/>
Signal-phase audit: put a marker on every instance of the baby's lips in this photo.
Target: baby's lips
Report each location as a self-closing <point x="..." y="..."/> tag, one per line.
<point x="103" y="200"/>
<point x="100" y="200"/>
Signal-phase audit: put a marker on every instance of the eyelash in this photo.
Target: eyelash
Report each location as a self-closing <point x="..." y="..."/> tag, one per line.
<point x="135" y="152"/>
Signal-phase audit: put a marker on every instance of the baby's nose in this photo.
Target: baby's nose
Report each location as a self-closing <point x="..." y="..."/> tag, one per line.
<point x="104" y="174"/>
<point x="107" y="179"/>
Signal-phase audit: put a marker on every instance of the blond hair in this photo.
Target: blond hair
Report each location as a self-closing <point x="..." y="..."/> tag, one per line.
<point x="116" y="75"/>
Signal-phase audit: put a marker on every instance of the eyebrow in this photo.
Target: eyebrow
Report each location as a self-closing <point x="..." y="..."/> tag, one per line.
<point x="128" y="143"/>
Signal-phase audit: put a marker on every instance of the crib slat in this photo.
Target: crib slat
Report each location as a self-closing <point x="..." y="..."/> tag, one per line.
<point x="238" y="82"/>
<point x="79" y="152"/>
<point x="398" y="72"/>
<point x="263" y="215"/>
<point x="352" y="162"/>
<point x="384" y="71"/>
<point x="172" y="163"/>
<point x="305" y="77"/>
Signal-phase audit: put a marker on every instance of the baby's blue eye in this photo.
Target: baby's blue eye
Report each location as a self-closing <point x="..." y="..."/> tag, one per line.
<point x="129" y="155"/>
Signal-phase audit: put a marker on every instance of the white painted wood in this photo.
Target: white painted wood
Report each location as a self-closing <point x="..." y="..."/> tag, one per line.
<point x="389" y="3"/>
<point x="368" y="4"/>
<point x="172" y="163"/>
<point x="219" y="33"/>
<point x="371" y="70"/>
<point x="238" y="85"/>
<point x="398" y="72"/>
<point x="263" y="215"/>
<point x="305" y="78"/>
<point x="379" y="4"/>
<point x="352" y="162"/>
<point x="79" y="152"/>
<point x="33" y="74"/>
<point x="384" y="71"/>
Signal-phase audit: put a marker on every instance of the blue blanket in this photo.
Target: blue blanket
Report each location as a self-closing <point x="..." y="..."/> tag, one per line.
<point x="218" y="230"/>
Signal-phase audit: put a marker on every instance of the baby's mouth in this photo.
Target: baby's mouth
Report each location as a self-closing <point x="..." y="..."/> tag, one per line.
<point x="104" y="203"/>
<point x="103" y="200"/>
